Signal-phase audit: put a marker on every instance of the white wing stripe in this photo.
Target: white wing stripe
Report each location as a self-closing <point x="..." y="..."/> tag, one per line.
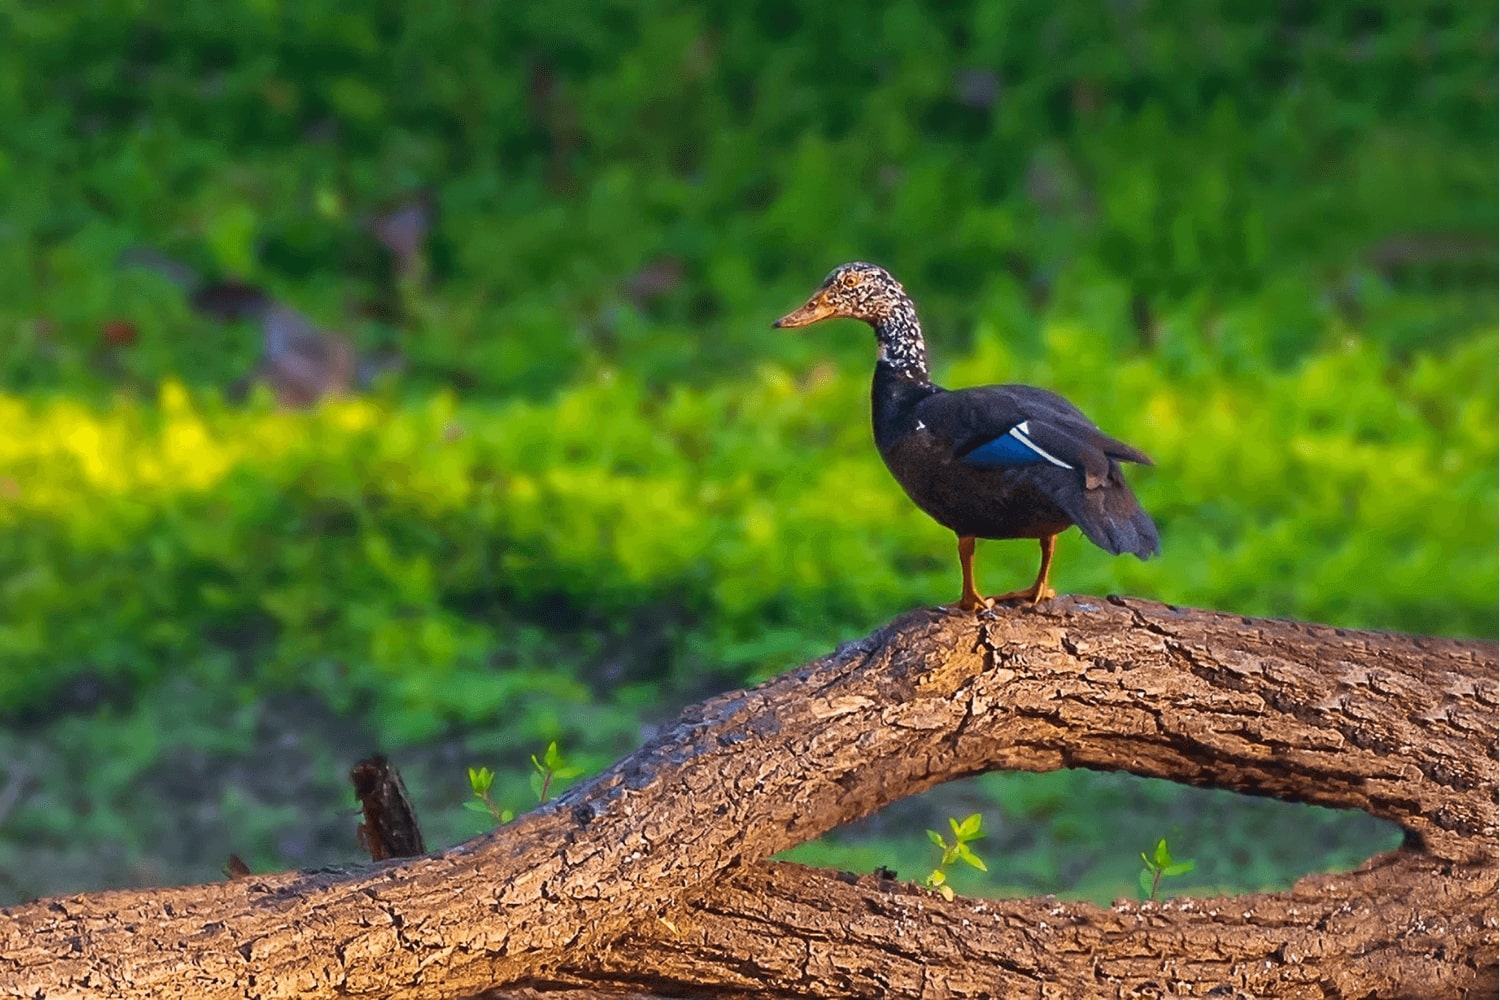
<point x="1020" y="431"/>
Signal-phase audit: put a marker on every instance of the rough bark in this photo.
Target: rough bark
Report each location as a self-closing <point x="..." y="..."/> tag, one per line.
<point x="649" y="877"/>
<point x="1376" y="932"/>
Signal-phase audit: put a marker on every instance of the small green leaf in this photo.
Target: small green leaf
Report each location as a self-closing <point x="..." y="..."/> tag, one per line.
<point x="970" y="858"/>
<point x="947" y="891"/>
<point x="969" y="828"/>
<point x="937" y="838"/>
<point x="537" y="765"/>
<point x="1151" y="865"/>
<point x="1147" y="880"/>
<point x="536" y="786"/>
<point x="937" y="878"/>
<point x="552" y="758"/>
<point x="953" y="824"/>
<point x="1179" y="868"/>
<point x="506" y="815"/>
<point x="474" y="805"/>
<point x="1163" y="856"/>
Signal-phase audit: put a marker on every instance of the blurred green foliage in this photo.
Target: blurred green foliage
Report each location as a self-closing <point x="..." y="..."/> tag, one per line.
<point x="1258" y="179"/>
<point x="1255" y="241"/>
<point x="425" y="560"/>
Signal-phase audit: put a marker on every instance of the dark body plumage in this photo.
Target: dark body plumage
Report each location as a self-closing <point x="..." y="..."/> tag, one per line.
<point x="1002" y="461"/>
<point x="927" y="434"/>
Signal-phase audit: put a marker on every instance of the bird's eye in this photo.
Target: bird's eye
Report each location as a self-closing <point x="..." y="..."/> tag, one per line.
<point x="851" y="279"/>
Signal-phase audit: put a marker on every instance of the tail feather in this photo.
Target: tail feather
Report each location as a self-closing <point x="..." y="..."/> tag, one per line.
<point x="1134" y="533"/>
<point x="1112" y="518"/>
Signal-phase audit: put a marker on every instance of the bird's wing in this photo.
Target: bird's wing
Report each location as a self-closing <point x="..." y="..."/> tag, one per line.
<point x="1015" y="425"/>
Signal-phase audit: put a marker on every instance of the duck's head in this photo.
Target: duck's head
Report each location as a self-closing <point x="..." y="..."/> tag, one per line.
<point x="852" y="291"/>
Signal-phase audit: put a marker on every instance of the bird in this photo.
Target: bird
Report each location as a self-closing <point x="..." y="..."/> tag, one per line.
<point x="993" y="461"/>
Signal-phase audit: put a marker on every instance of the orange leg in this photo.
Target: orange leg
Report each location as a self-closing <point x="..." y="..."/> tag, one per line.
<point x="970" y="600"/>
<point x="1039" y="590"/>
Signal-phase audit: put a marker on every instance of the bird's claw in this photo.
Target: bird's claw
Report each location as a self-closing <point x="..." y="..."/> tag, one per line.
<point x="971" y="602"/>
<point x="1032" y="595"/>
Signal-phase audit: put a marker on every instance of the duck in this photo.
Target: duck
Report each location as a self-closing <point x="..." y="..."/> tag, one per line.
<point x="992" y="461"/>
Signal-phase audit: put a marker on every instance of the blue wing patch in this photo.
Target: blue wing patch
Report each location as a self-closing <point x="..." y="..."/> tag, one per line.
<point x="1014" y="447"/>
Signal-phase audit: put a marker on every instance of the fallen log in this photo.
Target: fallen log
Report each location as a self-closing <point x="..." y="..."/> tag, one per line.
<point x="652" y="876"/>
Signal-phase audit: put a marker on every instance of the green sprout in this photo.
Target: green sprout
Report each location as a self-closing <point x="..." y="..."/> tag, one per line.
<point x="963" y="833"/>
<point x="545" y="770"/>
<point x="1160" y="865"/>
<point x="480" y="780"/>
<point x="550" y="767"/>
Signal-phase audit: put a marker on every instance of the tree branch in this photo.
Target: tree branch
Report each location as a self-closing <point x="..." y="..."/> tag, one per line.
<point x="818" y="936"/>
<point x="1400" y="727"/>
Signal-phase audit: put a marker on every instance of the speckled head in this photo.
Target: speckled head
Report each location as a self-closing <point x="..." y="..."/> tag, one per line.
<point x="866" y="292"/>
<point x="852" y="291"/>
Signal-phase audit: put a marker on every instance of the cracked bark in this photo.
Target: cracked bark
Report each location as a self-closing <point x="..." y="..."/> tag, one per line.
<point x="651" y="878"/>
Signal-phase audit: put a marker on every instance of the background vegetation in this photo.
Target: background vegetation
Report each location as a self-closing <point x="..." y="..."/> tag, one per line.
<point x="592" y="485"/>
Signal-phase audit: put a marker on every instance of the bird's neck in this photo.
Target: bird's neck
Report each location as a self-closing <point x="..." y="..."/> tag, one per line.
<point x="902" y="349"/>
<point x="901" y="378"/>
